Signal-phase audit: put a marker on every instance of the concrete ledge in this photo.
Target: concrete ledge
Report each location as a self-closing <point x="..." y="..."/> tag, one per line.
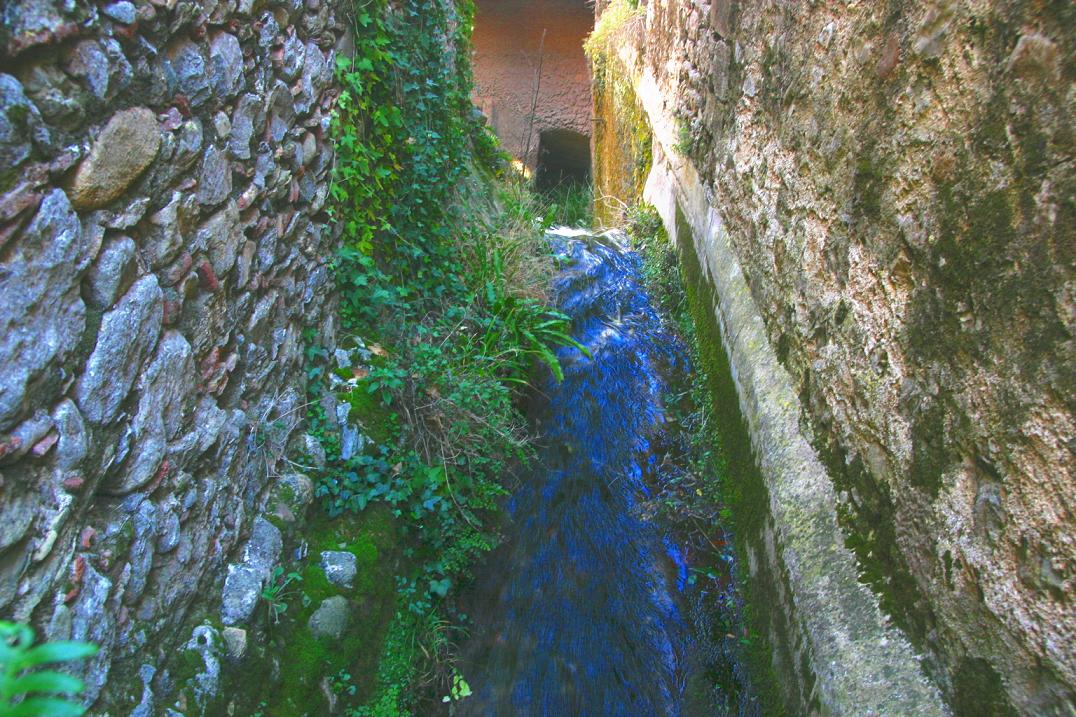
<point x="846" y="657"/>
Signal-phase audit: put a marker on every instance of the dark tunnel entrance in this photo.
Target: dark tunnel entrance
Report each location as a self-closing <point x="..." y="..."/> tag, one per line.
<point x="563" y="159"/>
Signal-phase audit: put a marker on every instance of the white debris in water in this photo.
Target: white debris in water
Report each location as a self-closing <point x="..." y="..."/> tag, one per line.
<point x="569" y="232"/>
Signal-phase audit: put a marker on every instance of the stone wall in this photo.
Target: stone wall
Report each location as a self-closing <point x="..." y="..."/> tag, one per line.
<point x="164" y="246"/>
<point x="507" y="40"/>
<point x="896" y="183"/>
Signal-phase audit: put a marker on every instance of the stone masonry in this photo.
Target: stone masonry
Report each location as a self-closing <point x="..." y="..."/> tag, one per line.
<point x="164" y="245"/>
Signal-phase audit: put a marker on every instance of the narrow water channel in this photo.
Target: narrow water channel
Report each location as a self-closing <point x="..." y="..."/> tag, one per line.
<point x="582" y="612"/>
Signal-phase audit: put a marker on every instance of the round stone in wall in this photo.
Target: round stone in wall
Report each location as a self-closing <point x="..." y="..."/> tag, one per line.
<point x="329" y="621"/>
<point x="127" y="145"/>
<point x="339" y="566"/>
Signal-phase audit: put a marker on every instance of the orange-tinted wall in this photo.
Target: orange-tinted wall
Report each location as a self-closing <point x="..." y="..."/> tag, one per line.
<point x="507" y="37"/>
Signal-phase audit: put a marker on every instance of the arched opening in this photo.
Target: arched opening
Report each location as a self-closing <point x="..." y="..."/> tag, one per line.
<point x="531" y="74"/>
<point x="563" y="159"/>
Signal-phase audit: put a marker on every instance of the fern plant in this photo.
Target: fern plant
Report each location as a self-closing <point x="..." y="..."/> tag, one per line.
<point x="518" y="330"/>
<point x="521" y="330"/>
<point x="26" y="690"/>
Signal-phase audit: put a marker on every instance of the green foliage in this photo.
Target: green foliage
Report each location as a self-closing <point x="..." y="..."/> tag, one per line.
<point x="519" y="330"/>
<point x="462" y="436"/>
<point x="397" y="670"/>
<point x="275" y="593"/>
<point x="618" y="22"/>
<point x="570" y="204"/>
<point x="722" y="488"/>
<point x="460" y="689"/>
<point x="452" y="284"/>
<point x="419" y="270"/>
<point x="488" y="153"/>
<point x="685" y="141"/>
<point x="403" y="131"/>
<point x="28" y="691"/>
<point x="341" y="684"/>
<point x="306" y="661"/>
<point x="661" y="269"/>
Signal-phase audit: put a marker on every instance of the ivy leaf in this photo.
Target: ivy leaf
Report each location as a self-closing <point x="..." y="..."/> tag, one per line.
<point x="440" y="587"/>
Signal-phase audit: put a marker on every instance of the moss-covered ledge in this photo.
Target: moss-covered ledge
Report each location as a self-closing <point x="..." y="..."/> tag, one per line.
<point x="846" y="658"/>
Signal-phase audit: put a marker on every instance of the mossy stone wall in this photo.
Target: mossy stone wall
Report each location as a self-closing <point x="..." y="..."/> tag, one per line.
<point x="896" y="180"/>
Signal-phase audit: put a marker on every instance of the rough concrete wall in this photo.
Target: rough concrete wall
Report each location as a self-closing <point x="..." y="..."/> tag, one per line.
<point x="163" y="178"/>
<point x="897" y="182"/>
<point x="507" y="37"/>
<point x="830" y="649"/>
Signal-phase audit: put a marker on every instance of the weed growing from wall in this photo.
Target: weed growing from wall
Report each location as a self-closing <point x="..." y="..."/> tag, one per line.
<point x="619" y="22"/>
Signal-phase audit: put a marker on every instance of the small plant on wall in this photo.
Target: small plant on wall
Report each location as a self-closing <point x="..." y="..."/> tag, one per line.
<point x="685" y="141"/>
<point x="276" y="592"/>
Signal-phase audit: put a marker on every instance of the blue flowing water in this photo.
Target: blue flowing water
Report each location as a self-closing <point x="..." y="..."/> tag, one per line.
<point x="580" y="613"/>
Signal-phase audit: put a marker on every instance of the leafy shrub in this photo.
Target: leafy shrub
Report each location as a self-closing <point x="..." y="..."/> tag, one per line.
<point x="518" y="331"/>
<point x="488" y="153"/>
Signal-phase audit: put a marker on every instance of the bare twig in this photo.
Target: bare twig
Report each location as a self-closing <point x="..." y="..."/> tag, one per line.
<point x="534" y="104"/>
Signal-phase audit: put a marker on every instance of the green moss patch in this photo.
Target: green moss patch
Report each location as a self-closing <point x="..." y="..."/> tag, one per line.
<point x="738" y="483"/>
<point x="305" y="660"/>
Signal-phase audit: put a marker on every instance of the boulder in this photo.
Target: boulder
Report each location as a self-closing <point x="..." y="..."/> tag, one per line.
<point x="192" y="74"/>
<point x="235" y="643"/>
<point x="220" y="236"/>
<point x="89" y="61"/>
<point x="247" y="121"/>
<point x="142" y="549"/>
<point x="128" y="333"/>
<point x="20" y="124"/>
<point x="122" y="12"/>
<point x="205" y="685"/>
<point x="242" y="589"/>
<point x="263" y="548"/>
<point x="113" y="272"/>
<point x="215" y="182"/>
<point x="225" y="64"/>
<point x="42" y="316"/>
<point x="164" y="387"/>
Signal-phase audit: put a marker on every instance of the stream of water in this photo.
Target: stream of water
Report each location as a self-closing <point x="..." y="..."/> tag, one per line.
<point x="581" y="612"/>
